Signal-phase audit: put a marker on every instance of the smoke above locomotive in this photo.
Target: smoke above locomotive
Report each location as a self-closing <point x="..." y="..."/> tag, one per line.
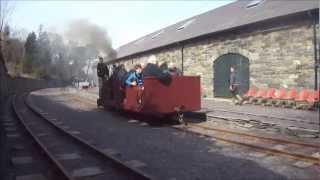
<point x="84" y="33"/>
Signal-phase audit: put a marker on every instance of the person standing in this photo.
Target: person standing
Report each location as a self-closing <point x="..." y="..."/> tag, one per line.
<point x="234" y="87"/>
<point x="103" y="73"/>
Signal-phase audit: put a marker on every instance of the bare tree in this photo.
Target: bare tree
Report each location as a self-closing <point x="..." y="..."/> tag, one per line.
<point x="13" y="53"/>
<point x="6" y="9"/>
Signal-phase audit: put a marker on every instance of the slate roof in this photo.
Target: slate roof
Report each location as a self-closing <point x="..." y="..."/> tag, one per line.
<point x="217" y="20"/>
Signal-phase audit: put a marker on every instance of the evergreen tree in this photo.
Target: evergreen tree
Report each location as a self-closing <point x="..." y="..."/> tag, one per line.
<point x="30" y="53"/>
<point x="44" y="54"/>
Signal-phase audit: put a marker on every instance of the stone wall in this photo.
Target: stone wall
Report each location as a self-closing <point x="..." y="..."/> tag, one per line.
<point x="166" y="55"/>
<point x="279" y="57"/>
<point x="15" y="85"/>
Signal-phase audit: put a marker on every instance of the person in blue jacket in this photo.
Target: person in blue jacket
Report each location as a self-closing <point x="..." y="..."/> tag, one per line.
<point x="135" y="78"/>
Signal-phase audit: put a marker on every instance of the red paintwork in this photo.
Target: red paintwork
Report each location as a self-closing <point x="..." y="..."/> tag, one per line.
<point x="261" y="93"/>
<point x="280" y="94"/>
<point x="270" y="93"/>
<point x="314" y="97"/>
<point x="157" y="98"/>
<point x="250" y="93"/>
<point x="291" y="95"/>
<point x="303" y="95"/>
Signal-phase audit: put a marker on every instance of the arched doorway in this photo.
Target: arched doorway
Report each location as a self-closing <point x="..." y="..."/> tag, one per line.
<point x="222" y="72"/>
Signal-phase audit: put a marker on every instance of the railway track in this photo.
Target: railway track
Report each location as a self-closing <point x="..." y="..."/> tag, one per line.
<point x="296" y="150"/>
<point x="25" y="158"/>
<point x="75" y="158"/>
<point x="255" y="115"/>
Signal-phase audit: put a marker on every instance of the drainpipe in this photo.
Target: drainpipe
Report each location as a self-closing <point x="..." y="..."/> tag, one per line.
<point x="182" y="59"/>
<point x="316" y="62"/>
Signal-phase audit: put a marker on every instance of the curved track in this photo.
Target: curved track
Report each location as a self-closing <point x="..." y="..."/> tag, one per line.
<point x="73" y="156"/>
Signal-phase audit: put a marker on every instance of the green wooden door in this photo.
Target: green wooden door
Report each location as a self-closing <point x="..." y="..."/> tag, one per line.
<point x="222" y="73"/>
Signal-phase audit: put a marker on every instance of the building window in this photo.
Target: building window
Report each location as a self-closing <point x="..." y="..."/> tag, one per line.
<point x="185" y="24"/>
<point x="254" y="3"/>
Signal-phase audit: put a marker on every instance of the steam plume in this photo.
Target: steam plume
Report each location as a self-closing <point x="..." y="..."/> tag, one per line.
<point x="84" y="33"/>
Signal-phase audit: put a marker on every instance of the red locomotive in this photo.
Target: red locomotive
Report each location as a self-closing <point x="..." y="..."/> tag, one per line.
<point x="170" y="97"/>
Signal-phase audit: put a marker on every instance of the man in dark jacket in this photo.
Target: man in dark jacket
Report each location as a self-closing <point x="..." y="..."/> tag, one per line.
<point x="234" y="87"/>
<point x="103" y="74"/>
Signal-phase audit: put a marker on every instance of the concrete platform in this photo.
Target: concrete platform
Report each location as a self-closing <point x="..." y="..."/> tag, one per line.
<point x="297" y="122"/>
<point x="216" y="105"/>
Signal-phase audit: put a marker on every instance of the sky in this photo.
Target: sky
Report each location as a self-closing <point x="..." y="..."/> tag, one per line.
<point x="124" y="21"/>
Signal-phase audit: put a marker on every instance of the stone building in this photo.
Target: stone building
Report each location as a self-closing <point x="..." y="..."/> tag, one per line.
<point x="271" y="44"/>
